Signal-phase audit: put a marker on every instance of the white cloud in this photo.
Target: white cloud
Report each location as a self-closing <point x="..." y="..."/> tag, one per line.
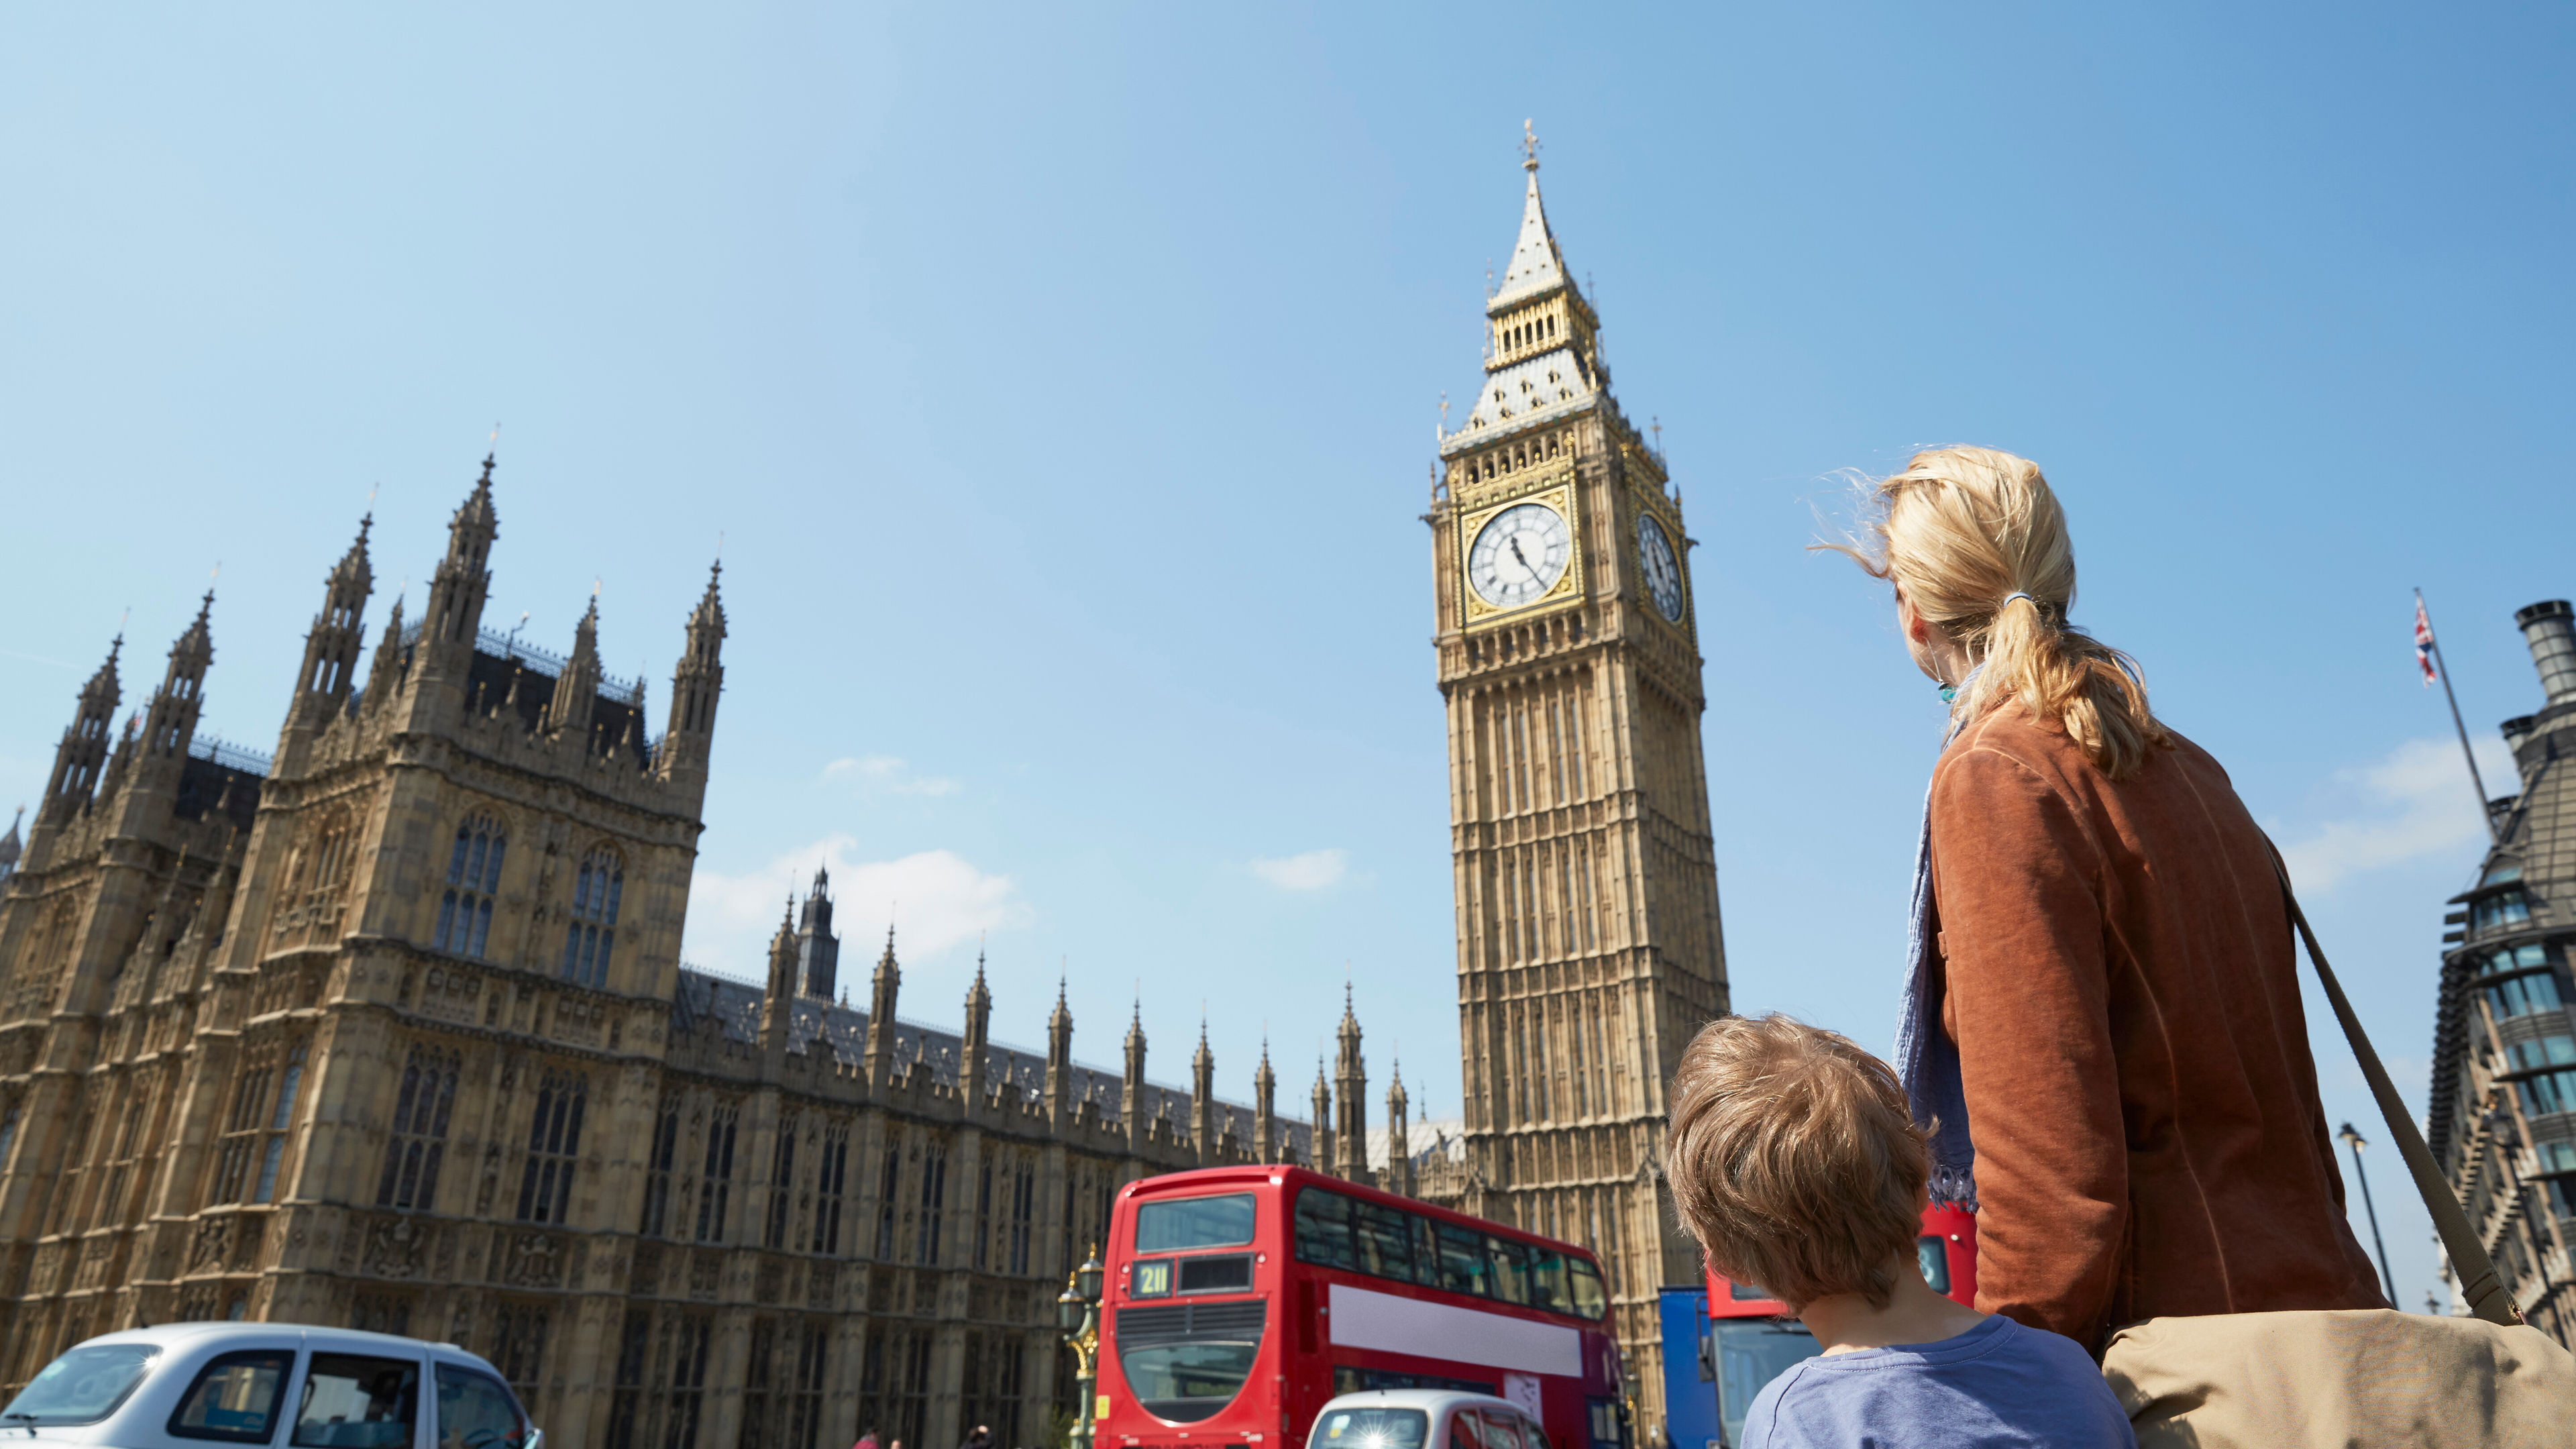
<point x="935" y="898"/>
<point x="2414" y="801"/>
<point x="889" y="773"/>
<point x="1312" y="871"/>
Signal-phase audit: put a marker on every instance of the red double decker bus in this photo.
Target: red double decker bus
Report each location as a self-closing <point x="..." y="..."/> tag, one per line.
<point x="1239" y="1299"/>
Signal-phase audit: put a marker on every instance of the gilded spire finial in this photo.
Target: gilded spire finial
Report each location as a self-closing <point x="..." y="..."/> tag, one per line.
<point x="1529" y="147"/>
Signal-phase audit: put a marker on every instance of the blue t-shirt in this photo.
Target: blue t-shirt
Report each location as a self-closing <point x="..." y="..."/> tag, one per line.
<point x="1996" y="1384"/>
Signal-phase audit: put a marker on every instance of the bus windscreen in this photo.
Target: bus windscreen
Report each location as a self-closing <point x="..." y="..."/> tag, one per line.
<point x="1224" y="1221"/>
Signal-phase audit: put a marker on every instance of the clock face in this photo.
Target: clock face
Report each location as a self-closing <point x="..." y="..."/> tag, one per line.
<point x="1519" y="555"/>
<point x="1663" y="571"/>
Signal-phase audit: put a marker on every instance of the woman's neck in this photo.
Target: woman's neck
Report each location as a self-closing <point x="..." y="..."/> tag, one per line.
<point x="1846" y="1323"/>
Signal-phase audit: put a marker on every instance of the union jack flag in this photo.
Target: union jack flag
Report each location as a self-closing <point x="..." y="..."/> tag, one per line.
<point x="2424" y="643"/>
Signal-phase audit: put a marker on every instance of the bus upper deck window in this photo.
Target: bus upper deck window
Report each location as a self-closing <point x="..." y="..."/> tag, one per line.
<point x="1194" y="1222"/>
<point x="1510" y="1273"/>
<point x="1462" y="1259"/>
<point x="1589" y="1300"/>
<point x="1385" y="1239"/>
<point x="1547" y="1280"/>
<point x="1324" y="1229"/>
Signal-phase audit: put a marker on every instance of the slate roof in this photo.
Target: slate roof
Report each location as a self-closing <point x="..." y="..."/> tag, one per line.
<point x="734" y="1008"/>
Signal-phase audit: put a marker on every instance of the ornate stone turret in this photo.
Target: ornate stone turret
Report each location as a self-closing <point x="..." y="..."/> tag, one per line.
<point x="1350" y="1089"/>
<point x="385" y="672"/>
<point x="1203" y="1097"/>
<point x="1399" y="1157"/>
<point x="1059" y="1067"/>
<point x="462" y="580"/>
<point x="1321" y="1147"/>
<point x="331" y="648"/>
<point x="881" y="996"/>
<point x="149" y="781"/>
<point x="976" y="1040"/>
<point x="577" y="690"/>
<point x="696" y="684"/>
<point x="1265" y="1108"/>
<point x="818" y="951"/>
<point x="1131" y="1102"/>
<point x="10" y="846"/>
<point x="778" y="1007"/>
<point x="83" y="751"/>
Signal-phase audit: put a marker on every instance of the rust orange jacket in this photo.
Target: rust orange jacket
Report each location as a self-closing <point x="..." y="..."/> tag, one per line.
<point x="2118" y="975"/>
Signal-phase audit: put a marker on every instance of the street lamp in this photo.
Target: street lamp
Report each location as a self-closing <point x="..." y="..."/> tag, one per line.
<point x="2356" y="1142"/>
<point x="1077" y="1313"/>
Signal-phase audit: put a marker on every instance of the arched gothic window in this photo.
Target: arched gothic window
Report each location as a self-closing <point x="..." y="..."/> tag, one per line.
<point x="593" y="932"/>
<point x="473" y="874"/>
<point x="554" y="1145"/>
<point x="419" y="1138"/>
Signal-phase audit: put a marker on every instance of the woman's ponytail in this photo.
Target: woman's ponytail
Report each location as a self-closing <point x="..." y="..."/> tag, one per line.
<point x="1976" y="540"/>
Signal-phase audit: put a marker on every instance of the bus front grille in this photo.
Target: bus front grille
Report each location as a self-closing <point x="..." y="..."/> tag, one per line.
<point x="1237" y="1322"/>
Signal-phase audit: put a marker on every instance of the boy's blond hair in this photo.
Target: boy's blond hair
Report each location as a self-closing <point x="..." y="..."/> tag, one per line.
<point x="1793" y="1159"/>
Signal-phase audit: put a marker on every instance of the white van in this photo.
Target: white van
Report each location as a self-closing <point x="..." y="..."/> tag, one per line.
<point x="1416" y="1419"/>
<point x="197" y="1385"/>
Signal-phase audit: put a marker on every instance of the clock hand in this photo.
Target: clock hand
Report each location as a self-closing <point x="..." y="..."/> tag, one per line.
<point x="1515" y="542"/>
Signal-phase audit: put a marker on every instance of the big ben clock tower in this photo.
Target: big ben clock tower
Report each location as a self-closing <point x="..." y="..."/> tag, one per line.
<point x="1588" y="941"/>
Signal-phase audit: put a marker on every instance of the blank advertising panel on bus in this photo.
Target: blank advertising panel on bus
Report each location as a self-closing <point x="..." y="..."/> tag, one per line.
<point x="1238" y="1300"/>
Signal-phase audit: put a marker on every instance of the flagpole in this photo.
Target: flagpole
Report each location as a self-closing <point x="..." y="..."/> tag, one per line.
<point x="2443" y="668"/>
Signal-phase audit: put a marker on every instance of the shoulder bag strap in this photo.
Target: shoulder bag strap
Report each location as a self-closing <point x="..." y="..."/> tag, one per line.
<point x="2479" y="1284"/>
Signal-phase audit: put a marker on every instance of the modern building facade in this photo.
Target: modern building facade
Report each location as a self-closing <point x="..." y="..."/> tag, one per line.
<point x="1589" y="946"/>
<point x="392" y="1031"/>
<point x="2503" y="1113"/>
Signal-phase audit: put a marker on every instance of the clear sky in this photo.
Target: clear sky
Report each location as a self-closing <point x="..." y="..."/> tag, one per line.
<point x="1061" y="382"/>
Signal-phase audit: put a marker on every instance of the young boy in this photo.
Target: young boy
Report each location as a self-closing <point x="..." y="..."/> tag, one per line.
<point x="1795" y="1164"/>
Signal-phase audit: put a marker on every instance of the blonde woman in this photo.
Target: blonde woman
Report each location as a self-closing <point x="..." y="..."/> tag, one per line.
<point x="2102" y="1020"/>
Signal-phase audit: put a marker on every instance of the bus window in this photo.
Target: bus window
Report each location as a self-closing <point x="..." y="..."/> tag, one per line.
<point x="1589" y="1300"/>
<point x="1194" y="1222"/>
<point x="1547" y="1280"/>
<point x="1324" y="1229"/>
<point x="1510" y="1274"/>
<point x="1462" y="1259"/>
<point x="1934" y="1258"/>
<point x="1385" y="1240"/>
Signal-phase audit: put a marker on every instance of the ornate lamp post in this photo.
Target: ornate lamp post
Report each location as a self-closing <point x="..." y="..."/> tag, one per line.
<point x="2356" y="1142"/>
<point x="1077" y="1312"/>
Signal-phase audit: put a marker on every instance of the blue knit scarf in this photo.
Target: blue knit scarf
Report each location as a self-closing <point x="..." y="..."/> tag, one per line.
<point x="1927" y="1061"/>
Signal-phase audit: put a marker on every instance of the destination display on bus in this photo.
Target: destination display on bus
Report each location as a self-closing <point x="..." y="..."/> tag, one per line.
<point x="1240" y="1299"/>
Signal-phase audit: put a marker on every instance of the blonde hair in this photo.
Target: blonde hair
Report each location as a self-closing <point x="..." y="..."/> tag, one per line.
<point x="1975" y="541"/>
<point x="1793" y="1159"/>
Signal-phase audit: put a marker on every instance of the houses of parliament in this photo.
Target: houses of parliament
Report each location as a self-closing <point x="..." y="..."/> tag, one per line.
<point x="390" y="1029"/>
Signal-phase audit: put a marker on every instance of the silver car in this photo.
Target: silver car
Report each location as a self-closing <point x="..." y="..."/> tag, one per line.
<point x="195" y="1385"/>
<point x="1416" y="1419"/>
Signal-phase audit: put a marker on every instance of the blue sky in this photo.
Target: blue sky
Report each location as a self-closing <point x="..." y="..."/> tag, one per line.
<point x="1062" y="387"/>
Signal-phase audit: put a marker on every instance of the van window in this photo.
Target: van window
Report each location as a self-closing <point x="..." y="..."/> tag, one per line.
<point x="235" y="1396"/>
<point x="82" y="1387"/>
<point x="1502" y="1429"/>
<point x="475" y="1412"/>
<point x="354" y="1402"/>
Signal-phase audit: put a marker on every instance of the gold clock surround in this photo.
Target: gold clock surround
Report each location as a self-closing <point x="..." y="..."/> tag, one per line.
<point x="1557" y="494"/>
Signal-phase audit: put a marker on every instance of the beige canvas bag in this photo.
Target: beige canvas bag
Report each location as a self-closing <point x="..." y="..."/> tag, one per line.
<point x="2321" y="1380"/>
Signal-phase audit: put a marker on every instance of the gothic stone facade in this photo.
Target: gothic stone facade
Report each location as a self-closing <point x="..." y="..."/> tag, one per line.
<point x="1589" y="945"/>
<point x="2504" y="1046"/>
<point x="393" y="1032"/>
